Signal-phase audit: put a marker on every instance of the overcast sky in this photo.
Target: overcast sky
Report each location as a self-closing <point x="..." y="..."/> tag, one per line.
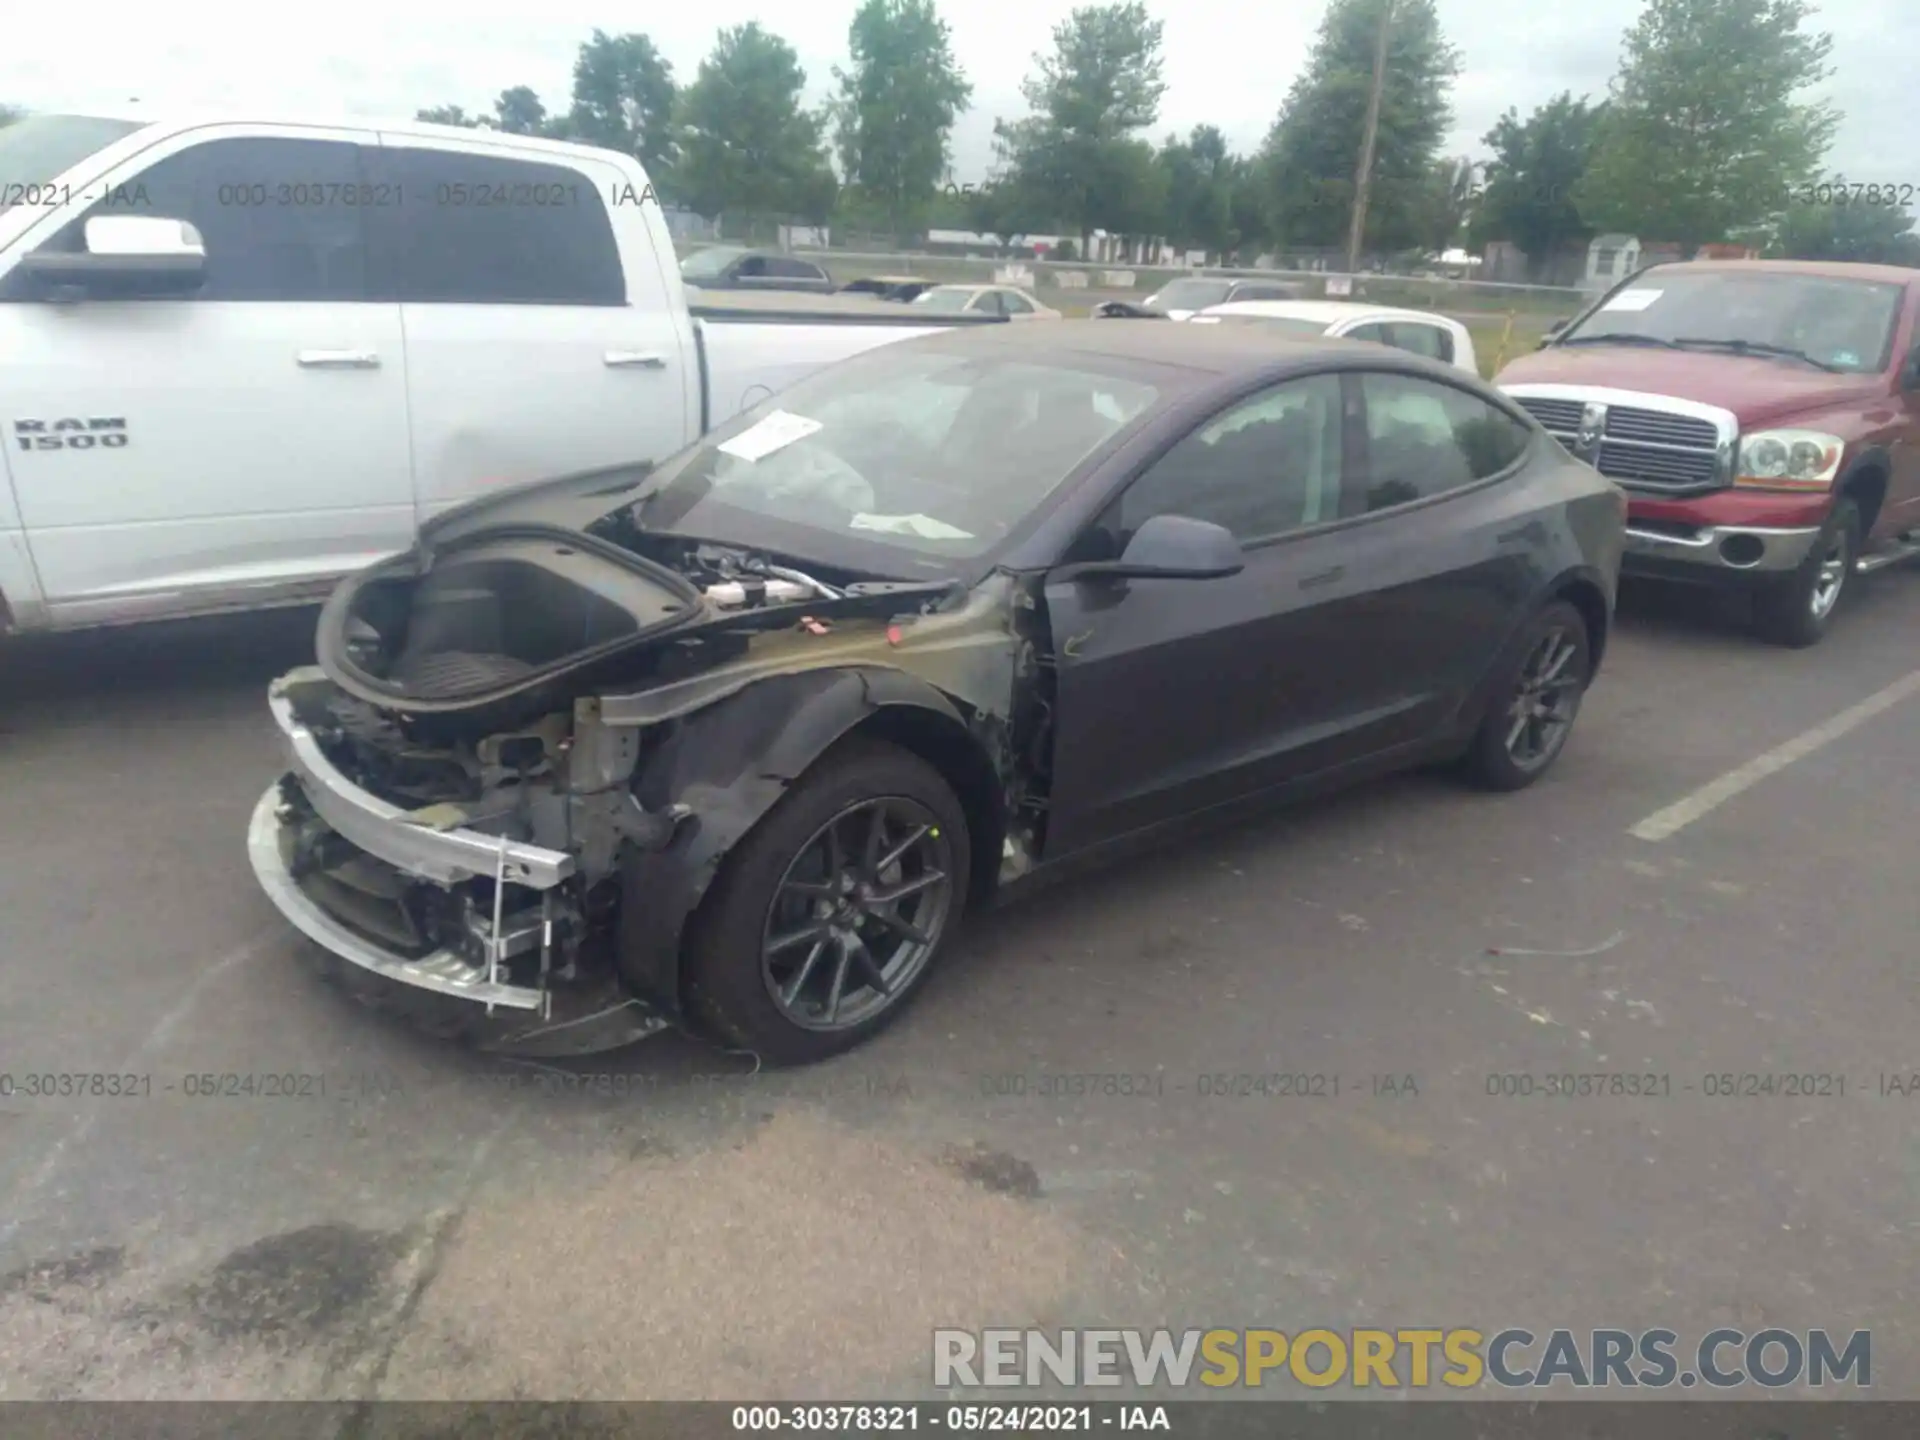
<point x="1227" y="63"/>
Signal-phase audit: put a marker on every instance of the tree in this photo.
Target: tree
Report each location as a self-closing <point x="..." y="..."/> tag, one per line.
<point x="1705" y="135"/>
<point x="1531" y="181"/>
<point x="896" y="105"/>
<point x="9" y="114"/>
<point x="1199" y="176"/>
<point x="453" y="115"/>
<point x="1101" y="84"/>
<point x="1452" y="197"/>
<point x="1313" y="149"/>
<point x="1005" y="206"/>
<point x="623" y="99"/>
<point x="1858" y="230"/>
<point x="1128" y="190"/>
<point x="519" y="112"/>
<point x="746" y="145"/>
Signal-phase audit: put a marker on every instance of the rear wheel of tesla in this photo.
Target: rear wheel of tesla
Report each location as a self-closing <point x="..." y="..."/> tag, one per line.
<point x="1799" y="610"/>
<point x="826" y="919"/>
<point x="1536" y="702"/>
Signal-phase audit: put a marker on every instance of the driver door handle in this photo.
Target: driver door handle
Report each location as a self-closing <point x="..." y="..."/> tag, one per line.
<point x="338" y="360"/>
<point x="636" y="360"/>
<point x="1325" y="577"/>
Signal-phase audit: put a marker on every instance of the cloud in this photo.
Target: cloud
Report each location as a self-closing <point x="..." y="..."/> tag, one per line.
<point x="1223" y="67"/>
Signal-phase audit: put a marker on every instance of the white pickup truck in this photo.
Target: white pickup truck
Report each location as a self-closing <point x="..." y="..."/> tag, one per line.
<point x="240" y="358"/>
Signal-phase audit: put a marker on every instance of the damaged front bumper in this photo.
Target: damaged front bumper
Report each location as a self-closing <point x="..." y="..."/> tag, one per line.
<point x="440" y="899"/>
<point x="270" y="844"/>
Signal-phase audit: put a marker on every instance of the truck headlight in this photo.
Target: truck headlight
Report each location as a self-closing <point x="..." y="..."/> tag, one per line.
<point x="1789" y="460"/>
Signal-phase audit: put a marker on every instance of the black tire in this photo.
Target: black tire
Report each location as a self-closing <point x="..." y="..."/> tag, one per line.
<point x="1500" y="756"/>
<point x="1798" y="611"/>
<point x="728" y="982"/>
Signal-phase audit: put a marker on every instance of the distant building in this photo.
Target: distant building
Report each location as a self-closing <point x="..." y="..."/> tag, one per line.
<point x="1610" y="259"/>
<point x="1506" y="262"/>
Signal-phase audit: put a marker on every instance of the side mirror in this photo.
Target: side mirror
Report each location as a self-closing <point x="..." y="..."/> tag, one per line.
<point x="1910" y="372"/>
<point x="1553" y="329"/>
<point x="127" y="257"/>
<point x="1173" y="547"/>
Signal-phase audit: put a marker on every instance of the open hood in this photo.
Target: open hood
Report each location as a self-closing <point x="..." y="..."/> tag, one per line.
<point x="517" y="601"/>
<point x="568" y="501"/>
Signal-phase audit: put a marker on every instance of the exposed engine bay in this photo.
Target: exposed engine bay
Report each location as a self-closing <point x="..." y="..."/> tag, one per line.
<point x="523" y="758"/>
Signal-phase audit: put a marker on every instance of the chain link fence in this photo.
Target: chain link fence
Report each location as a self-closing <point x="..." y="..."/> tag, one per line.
<point x="1506" y="318"/>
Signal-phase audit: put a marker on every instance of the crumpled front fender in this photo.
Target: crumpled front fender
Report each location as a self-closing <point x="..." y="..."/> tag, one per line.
<point x="729" y="764"/>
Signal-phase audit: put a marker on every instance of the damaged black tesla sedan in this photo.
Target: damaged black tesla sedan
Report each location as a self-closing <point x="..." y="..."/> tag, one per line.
<point x="732" y="741"/>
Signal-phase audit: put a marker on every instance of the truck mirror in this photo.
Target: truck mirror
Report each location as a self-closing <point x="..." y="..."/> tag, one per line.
<point x="127" y="257"/>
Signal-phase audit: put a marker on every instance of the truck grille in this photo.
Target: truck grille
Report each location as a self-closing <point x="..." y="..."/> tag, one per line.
<point x="1562" y="417"/>
<point x="1652" y="467"/>
<point x="1651" y="450"/>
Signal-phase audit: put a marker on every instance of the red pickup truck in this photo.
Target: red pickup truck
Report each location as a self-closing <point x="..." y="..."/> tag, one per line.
<point x="1762" y="416"/>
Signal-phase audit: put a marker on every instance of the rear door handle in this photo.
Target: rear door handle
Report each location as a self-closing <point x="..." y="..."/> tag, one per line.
<point x="1325" y="577"/>
<point x="339" y="359"/>
<point x="636" y="359"/>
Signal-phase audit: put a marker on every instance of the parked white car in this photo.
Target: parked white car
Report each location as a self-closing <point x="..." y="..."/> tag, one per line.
<point x="996" y="300"/>
<point x="1419" y="331"/>
<point x="242" y="357"/>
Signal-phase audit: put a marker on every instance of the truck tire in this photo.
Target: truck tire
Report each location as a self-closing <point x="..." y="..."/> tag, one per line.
<point x="828" y="916"/>
<point x="1546" y="677"/>
<point x="1798" y="611"/>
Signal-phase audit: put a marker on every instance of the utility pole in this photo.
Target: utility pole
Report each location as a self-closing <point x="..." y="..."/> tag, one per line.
<point x="1363" y="178"/>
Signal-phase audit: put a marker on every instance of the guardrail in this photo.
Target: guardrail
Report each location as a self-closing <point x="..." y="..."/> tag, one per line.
<point x="1437" y="292"/>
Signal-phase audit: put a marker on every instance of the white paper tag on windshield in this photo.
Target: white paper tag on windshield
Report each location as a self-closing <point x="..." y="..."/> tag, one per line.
<point x="925" y="526"/>
<point x="776" y="432"/>
<point x="1633" y="300"/>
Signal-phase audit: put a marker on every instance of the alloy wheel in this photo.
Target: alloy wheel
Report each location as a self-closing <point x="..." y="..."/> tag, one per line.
<point x="858" y="914"/>
<point x="1545" y="700"/>
<point x="1835" y="561"/>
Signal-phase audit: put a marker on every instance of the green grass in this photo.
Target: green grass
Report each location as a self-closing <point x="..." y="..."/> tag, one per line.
<point x="1487" y="333"/>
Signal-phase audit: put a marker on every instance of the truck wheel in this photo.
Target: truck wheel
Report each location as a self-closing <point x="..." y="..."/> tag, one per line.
<point x="1535" y="704"/>
<point x="1799" y="610"/>
<point x="828" y="915"/>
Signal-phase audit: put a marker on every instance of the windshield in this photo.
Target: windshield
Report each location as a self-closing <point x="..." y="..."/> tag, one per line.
<point x="1289" y="325"/>
<point x="705" y="264"/>
<point x="1191" y="294"/>
<point x="935" y="453"/>
<point x="41" y="148"/>
<point x="945" y="302"/>
<point x="1845" y="325"/>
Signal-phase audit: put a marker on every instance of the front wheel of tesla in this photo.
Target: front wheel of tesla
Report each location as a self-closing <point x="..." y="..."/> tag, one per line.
<point x="829" y="915"/>
<point x="1536" y="703"/>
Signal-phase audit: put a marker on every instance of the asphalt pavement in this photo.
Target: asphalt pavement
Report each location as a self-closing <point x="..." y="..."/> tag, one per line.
<point x="390" y="1217"/>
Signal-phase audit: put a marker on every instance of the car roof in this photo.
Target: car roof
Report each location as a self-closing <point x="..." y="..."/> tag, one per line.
<point x="1826" y="269"/>
<point x="1327" y="311"/>
<point x="1206" y="352"/>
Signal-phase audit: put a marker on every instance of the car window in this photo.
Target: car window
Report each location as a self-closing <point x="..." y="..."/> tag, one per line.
<point x="1265" y="466"/>
<point x="988" y="302"/>
<point x="1375" y="332"/>
<point x="270" y="214"/>
<point x="1263" y="292"/>
<point x="479" y="229"/>
<point x="1015" y="304"/>
<point x="1424" y="439"/>
<point x="1428" y="340"/>
<point x="789" y="269"/>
